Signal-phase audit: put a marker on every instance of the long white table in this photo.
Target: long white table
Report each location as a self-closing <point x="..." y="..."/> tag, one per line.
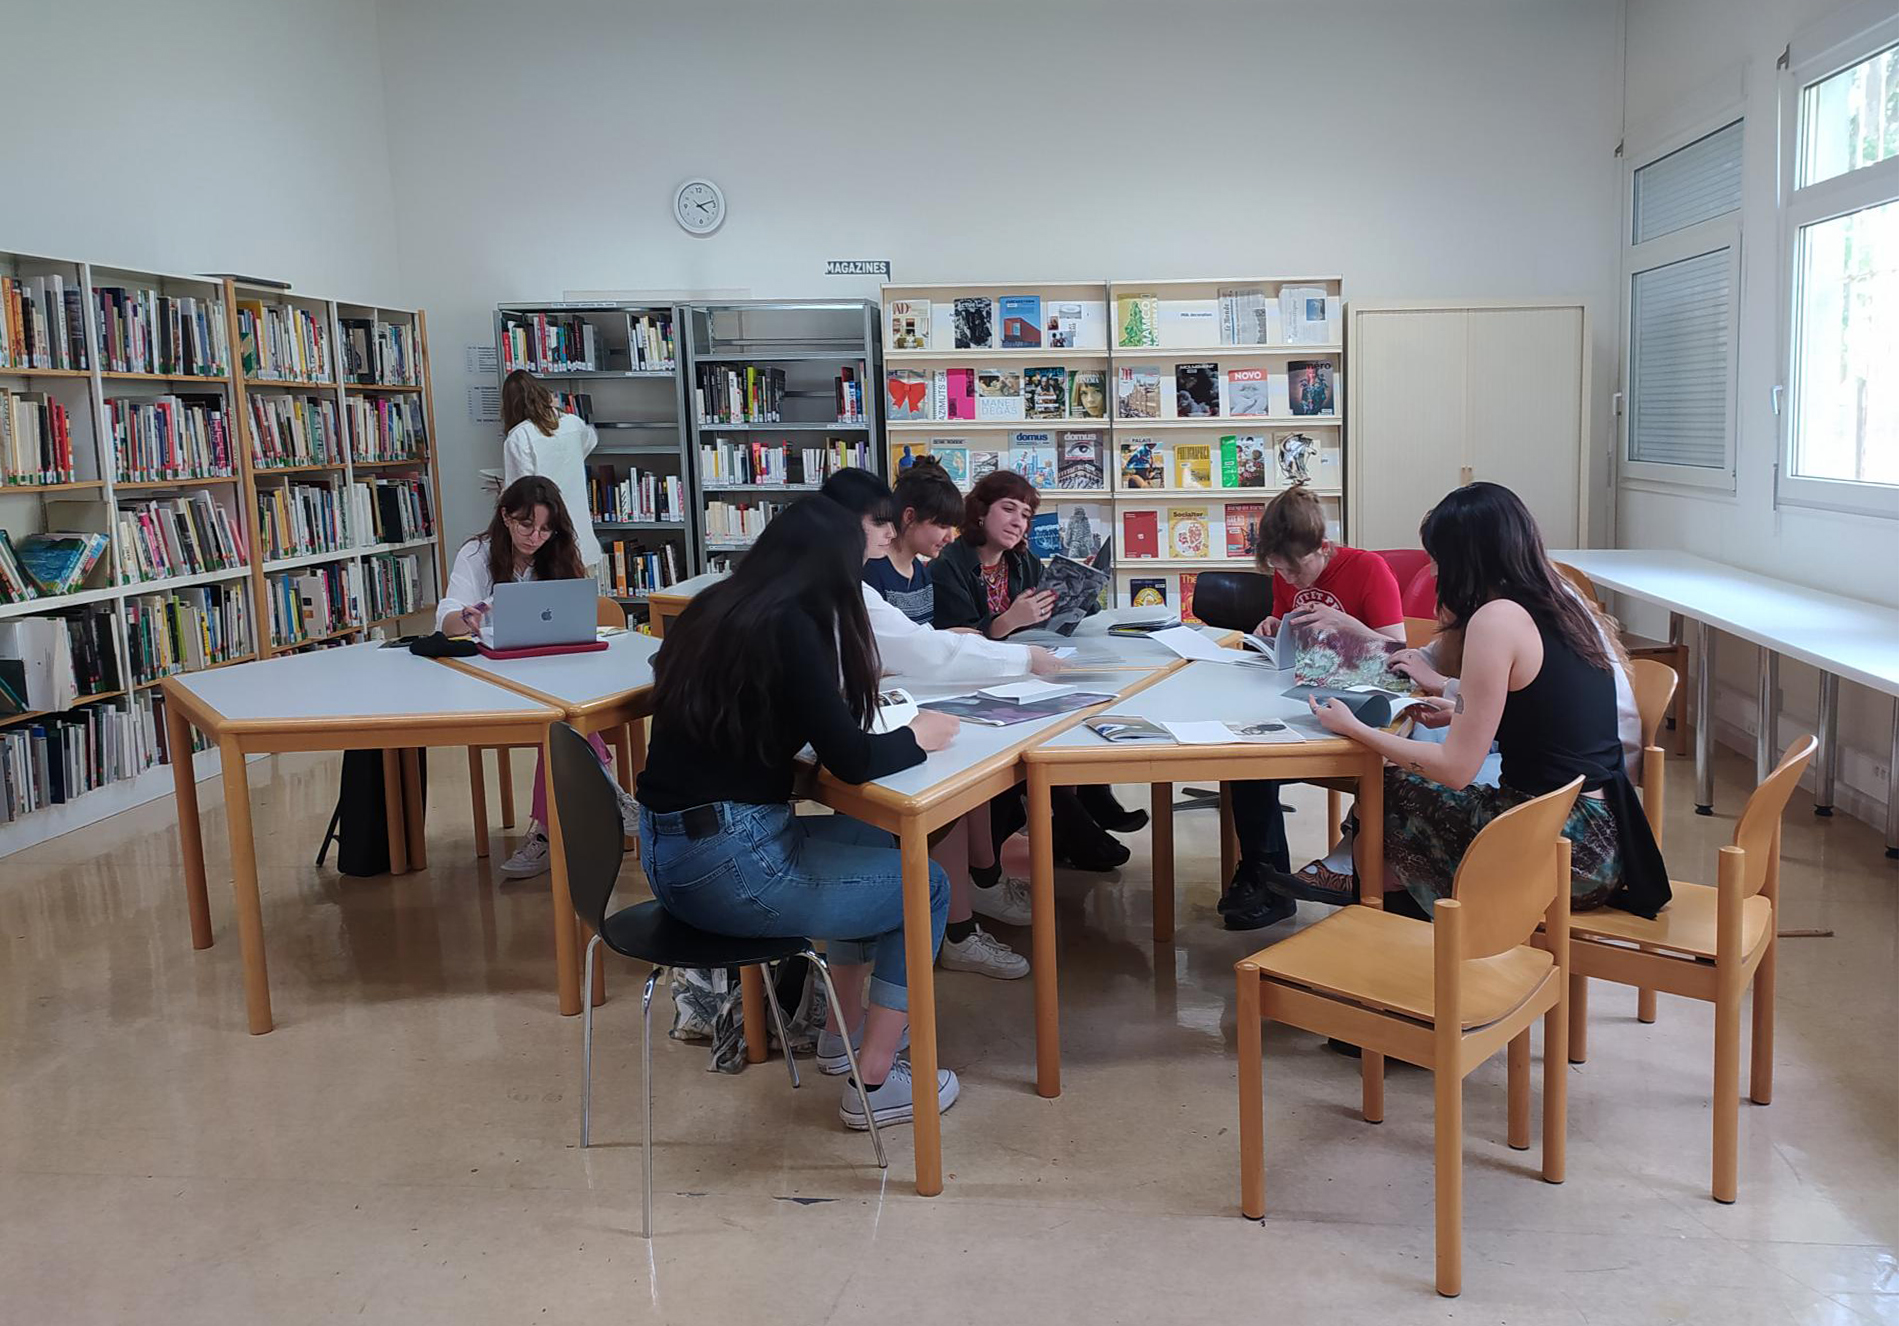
<point x="1842" y="637"/>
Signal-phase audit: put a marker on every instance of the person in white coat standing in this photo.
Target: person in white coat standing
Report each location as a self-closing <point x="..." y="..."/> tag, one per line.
<point x="542" y="440"/>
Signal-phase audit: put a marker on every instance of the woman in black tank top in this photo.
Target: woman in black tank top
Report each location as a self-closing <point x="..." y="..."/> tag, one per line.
<point x="1538" y="680"/>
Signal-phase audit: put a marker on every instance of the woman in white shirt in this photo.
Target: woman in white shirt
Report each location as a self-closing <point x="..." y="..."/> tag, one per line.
<point x="530" y="538"/>
<point x="542" y="440"/>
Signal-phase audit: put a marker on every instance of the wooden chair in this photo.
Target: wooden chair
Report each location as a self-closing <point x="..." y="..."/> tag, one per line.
<point x="607" y="612"/>
<point x="1708" y="944"/>
<point x="1672" y="654"/>
<point x="1445" y="995"/>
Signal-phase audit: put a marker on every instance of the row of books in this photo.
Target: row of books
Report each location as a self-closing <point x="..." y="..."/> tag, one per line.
<point x="741" y="394"/>
<point x="187" y="630"/>
<point x="1238" y="315"/>
<point x="1047" y="460"/>
<point x="289" y="430"/>
<point x="575" y="343"/>
<point x="392" y="585"/>
<point x="379" y="353"/>
<point x="142" y="331"/>
<point x="1191" y="531"/>
<point x="1012" y="322"/>
<point x="651" y="341"/>
<point x="47" y="565"/>
<point x="61" y="757"/>
<point x="632" y="566"/>
<point x="635" y="495"/>
<point x="176" y="536"/>
<point x="577" y="403"/>
<point x="169" y="437"/>
<point x="42" y="323"/>
<point x="397" y="510"/>
<point x="295" y="519"/>
<point x="725" y="461"/>
<point x="52" y="663"/>
<point x="1201" y="391"/>
<point x="1051" y="392"/>
<point x="36" y="439"/>
<point x="386" y="428"/>
<point x="738" y="522"/>
<point x="315" y="601"/>
<point x="283" y="343"/>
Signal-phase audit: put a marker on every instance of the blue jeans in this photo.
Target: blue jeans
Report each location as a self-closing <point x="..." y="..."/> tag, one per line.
<point x="768" y="872"/>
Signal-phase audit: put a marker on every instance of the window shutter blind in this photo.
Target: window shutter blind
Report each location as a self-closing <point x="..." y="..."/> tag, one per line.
<point x="1692" y="184"/>
<point x="1679" y="361"/>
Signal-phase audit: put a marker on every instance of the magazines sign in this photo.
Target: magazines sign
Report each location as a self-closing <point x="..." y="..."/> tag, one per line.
<point x="858" y="267"/>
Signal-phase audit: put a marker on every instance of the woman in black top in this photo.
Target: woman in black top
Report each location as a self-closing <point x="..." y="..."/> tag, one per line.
<point x="748" y="676"/>
<point x="1539" y="680"/>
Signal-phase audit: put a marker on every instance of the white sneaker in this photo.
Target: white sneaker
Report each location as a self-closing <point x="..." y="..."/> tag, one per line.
<point x="1007" y="900"/>
<point x="831" y="1059"/>
<point x="985" y="955"/>
<point x="529" y="859"/>
<point x="890" y="1103"/>
<point x="629" y="813"/>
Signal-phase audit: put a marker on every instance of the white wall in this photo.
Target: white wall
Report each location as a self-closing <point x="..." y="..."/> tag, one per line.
<point x="1677" y="48"/>
<point x="200" y="135"/>
<point x="1458" y="149"/>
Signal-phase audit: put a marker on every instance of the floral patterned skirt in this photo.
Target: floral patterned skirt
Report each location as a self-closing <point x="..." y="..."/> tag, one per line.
<point x="1429" y="827"/>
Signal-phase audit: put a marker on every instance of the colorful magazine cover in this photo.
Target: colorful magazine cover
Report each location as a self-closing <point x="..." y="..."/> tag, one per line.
<point x="1148" y="591"/>
<point x="1084" y="529"/>
<point x="1078" y="461"/>
<point x="983" y="463"/>
<point x="1243" y="462"/>
<point x="1296" y="455"/>
<point x="961" y="391"/>
<point x="1196" y="390"/>
<point x="1088" y="393"/>
<point x="1242" y="527"/>
<point x="1247" y="392"/>
<point x="1032" y="455"/>
<point x="1140" y="534"/>
<point x="1045" y="392"/>
<point x="1187" y="582"/>
<point x="1021" y="318"/>
<point x="953" y="455"/>
<point x="1143" y="463"/>
<point x="998" y="393"/>
<point x="1187" y="531"/>
<point x="1193" y="465"/>
<point x="1137" y="393"/>
<point x="1309" y="386"/>
<point x="1137" y="321"/>
<point x="909" y="324"/>
<point x="906" y="394"/>
<point x="1045" y="533"/>
<point x="974" y="329"/>
<point x="904" y="454"/>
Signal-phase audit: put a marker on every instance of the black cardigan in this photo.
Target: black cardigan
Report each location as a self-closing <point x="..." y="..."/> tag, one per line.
<point x="960" y="597"/>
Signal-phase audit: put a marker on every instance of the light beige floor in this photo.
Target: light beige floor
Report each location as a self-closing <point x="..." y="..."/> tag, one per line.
<point x="403" y="1148"/>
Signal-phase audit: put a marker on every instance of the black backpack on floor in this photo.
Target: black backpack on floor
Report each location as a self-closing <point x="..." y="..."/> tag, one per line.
<point x="360" y="824"/>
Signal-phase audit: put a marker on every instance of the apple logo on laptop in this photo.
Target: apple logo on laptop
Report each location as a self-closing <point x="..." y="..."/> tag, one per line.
<point x="547" y="614"/>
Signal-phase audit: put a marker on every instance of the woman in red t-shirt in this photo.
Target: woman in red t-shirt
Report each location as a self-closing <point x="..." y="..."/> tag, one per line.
<point x="1318" y="583"/>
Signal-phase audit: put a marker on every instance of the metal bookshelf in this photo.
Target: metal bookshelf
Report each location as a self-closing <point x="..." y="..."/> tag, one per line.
<point x="636" y="408"/>
<point x="811" y="342"/>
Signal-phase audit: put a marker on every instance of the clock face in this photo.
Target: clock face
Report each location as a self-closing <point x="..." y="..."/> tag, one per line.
<point x="699" y="207"/>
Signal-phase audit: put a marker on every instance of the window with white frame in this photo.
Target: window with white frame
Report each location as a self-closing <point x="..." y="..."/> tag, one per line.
<point x="1840" y="265"/>
<point x="1682" y="268"/>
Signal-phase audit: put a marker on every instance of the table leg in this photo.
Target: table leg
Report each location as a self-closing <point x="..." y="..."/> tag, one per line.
<point x="250" y="907"/>
<point x="919" y="960"/>
<point x="1704" y="719"/>
<point x="1370" y="849"/>
<point x="1829" y="744"/>
<point x="415" y="810"/>
<point x="752" y="997"/>
<point x="1892" y="789"/>
<point x="1042" y="970"/>
<point x="184" y="782"/>
<point x="1161" y="817"/>
<point x="504" y="778"/>
<point x="478" y="792"/>
<point x="1767" y="728"/>
<point x="1229" y="837"/>
<point x="392" y="812"/>
<point x="566" y="924"/>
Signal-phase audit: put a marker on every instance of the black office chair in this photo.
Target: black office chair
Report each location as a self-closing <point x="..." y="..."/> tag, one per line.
<point x="1227" y="601"/>
<point x="589" y="813"/>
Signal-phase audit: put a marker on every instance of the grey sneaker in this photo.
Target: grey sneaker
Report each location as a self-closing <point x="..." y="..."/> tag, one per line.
<point x="985" y="955"/>
<point x="891" y="1103"/>
<point x="629" y="813"/>
<point x="529" y="859"/>
<point x="1007" y="900"/>
<point x="831" y="1060"/>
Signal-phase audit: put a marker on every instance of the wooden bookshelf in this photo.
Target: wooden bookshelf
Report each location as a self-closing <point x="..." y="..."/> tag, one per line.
<point x="96" y="491"/>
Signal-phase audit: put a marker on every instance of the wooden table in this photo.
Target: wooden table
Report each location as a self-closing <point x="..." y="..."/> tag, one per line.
<point x="1842" y="637"/>
<point x="1223" y="691"/>
<point x="665" y="604"/>
<point x="351" y="698"/>
<point x="608" y="690"/>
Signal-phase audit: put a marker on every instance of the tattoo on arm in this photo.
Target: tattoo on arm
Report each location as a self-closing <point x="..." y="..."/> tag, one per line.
<point x="1416" y="767"/>
<point x="1458" y="708"/>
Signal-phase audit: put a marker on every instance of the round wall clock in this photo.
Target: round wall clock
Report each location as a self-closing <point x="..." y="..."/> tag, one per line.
<point x="699" y="207"/>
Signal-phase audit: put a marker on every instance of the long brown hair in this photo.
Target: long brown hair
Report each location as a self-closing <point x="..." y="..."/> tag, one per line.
<point x="989" y="490"/>
<point x="1486" y="546"/>
<point x="558" y="558"/>
<point x="524" y="398"/>
<point x="720" y="676"/>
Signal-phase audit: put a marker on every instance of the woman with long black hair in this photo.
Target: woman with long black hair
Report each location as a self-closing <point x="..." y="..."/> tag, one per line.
<point x="1538" y="679"/>
<point x="779" y="656"/>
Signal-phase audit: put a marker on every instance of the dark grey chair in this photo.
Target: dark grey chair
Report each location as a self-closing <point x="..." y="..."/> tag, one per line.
<point x="592" y="843"/>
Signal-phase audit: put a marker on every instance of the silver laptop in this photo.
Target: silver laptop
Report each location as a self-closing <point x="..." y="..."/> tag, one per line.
<point x="531" y="613"/>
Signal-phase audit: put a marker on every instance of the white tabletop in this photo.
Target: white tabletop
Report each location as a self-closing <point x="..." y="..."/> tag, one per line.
<point x="354" y="681"/>
<point x="1224" y="692"/>
<point x="685" y="589"/>
<point x="1850" y="638"/>
<point x="580" y="679"/>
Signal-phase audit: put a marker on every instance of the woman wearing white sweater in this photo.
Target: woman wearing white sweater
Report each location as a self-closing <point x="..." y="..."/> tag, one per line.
<point x="542" y="440"/>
